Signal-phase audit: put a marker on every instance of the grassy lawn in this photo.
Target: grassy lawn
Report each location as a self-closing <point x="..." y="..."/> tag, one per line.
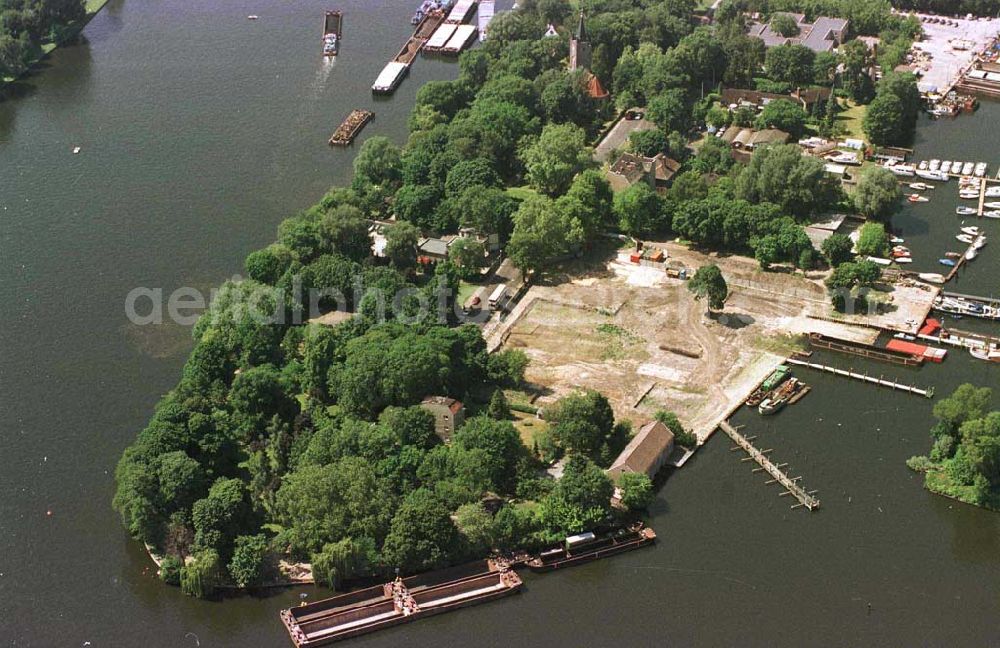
<point x="850" y="120"/>
<point x="522" y="193"/>
<point x="465" y="290"/>
<point x="528" y="426"/>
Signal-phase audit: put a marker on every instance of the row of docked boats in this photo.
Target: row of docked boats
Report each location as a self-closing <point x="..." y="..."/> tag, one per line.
<point x="977" y="169"/>
<point x="780" y="388"/>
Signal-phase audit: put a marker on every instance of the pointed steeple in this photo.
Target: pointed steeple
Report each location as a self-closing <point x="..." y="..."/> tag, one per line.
<point x="579" y="48"/>
<point x="581" y="29"/>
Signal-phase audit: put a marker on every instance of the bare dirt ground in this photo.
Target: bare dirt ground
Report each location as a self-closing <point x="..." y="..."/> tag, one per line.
<point x="946" y="63"/>
<point x="640" y="337"/>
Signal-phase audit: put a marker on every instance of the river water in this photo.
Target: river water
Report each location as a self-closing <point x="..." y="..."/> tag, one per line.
<point x="200" y="131"/>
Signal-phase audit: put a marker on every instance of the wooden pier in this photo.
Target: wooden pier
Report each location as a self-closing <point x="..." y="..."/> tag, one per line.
<point x="880" y="381"/>
<point x="805" y="498"/>
<point x="350" y="127"/>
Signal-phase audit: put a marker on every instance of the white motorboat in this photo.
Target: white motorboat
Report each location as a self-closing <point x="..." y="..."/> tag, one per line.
<point x="956" y="168"/>
<point x="972" y="230"/>
<point x="980" y="170"/>
<point x="993" y="213"/>
<point x="903" y="259"/>
<point x="845" y="158"/>
<point x="895" y="240"/>
<point x="915" y="198"/>
<point x="940" y="176"/>
<point x="922" y="165"/>
<point x="934" y="165"/>
<point x="902" y="169"/>
<point x="931" y="277"/>
<point x="991" y="354"/>
<point x="979" y="243"/>
<point x="946" y="166"/>
<point x="968" y="195"/>
<point x="879" y="260"/>
<point x="965" y="211"/>
<point x="968" y="168"/>
<point x="965" y="238"/>
<point x="971" y="254"/>
<point x="993" y="192"/>
<point x="992" y="205"/>
<point x="920" y="186"/>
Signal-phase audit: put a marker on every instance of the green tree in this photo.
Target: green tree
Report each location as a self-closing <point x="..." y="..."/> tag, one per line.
<point x="709" y="283"/>
<point x="401" y="244"/>
<point x="507" y="367"/>
<point x="682" y="436"/>
<point x="422" y="535"/>
<point x="583" y="422"/>
<point x="878" y="194"/>
<point x="966" y="403"/>
<point x="670" y="111"/>
<point x="247" y="564"/>
<point x="556" y="157"/>
<point x="201" y="575"/>
<point x="783" y="115"/>
<point x="581" y="498"/>
<point x="345" y="231"/>
<point x="873" y="240"/>
<point x="648" y="142"/>
<point x="343" y="561"/>
<point x="785" y="25"/>
<point x="267" y="265"/>
<point x="783" y="176"/>
<point x="792" y="64"/>
<point x="636" y="490"/>
<point x="498" y="408"/>
<point x="476" y="526"/>
<point x="540" y="234"/>
<point x="417" y="204"/>
<point x="639" y="210"/>
<point x="837" y="249"/>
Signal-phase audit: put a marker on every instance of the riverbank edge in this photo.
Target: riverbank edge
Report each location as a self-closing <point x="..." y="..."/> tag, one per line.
<point x="93" y="8"/>
<point x="937" y="482"/>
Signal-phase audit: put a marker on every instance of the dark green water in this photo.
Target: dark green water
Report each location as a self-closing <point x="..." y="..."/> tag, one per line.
<point x="200" y="131"/>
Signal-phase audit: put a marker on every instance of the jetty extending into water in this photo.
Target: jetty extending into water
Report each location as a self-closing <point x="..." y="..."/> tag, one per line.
<point x="880" y="381"/>
<point x="399" y="601"/>
<point x="791" y="484"/>
<point x="392" y="74"/>
<point x="350" y="127"/>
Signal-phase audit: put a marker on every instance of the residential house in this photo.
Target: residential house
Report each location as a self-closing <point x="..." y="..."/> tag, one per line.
<point x="807" y="97"/>
<point x="646" y="452"/>
<point x="449" y="415"/>
<point x="824" y="35"/>
<point x="657" y="171"/>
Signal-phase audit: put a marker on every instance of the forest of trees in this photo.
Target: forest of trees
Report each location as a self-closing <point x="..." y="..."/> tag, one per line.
<point x="964" y="461"/>
<point x="25" y="25"/>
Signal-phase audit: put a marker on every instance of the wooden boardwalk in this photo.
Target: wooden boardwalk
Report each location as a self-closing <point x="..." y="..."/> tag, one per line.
<point x="790" y="484"/>
<point x="880" y="381"/>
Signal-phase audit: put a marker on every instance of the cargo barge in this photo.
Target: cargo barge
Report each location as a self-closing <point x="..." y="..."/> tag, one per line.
<point x="889" y="354"/>
<point x="332" y="25"/>
<point x="586" y="547"/>
<point x="401" y="600"/>
<point x="350" y="127"/>
<point x="778" y="376"/>
<point x="392" y="74"/>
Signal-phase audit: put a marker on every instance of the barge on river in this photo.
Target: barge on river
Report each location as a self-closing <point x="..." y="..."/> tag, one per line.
<point x="350" y="127"/>
<point x="399" y="601"/>
<point x="332" y="25"/>
<point x="392" y="74"/>
<point x="586" y="547"/>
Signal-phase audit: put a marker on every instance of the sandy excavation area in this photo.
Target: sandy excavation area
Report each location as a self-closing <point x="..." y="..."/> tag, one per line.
<point x="640" y="338"/>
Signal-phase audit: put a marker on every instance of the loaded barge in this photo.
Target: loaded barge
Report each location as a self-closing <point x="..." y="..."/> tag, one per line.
<point x="350" y="127"/>
<point x="399" y="601"/>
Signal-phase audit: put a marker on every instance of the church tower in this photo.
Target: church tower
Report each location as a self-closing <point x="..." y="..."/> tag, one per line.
<point x="579" y="48"/>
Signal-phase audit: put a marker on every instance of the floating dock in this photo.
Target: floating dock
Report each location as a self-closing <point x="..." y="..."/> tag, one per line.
<point x="350" y="127"/>
<point x="880" y="381"/>
<point x="487" y="9"/>
<point x="821" y="341"/>
<point x="392" y="74"/>
<point x="805" y="498"/>
<point x="399" y="601"/>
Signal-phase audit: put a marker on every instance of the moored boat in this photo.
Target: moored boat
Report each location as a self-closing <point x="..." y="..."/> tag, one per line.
<point x="920" y="186"/>
<point x="931" y="277"/>
<point x="585" y="547"/>
<point x="968" y="168"/>
<point x="779" y="398"/>
<point x="879" y="260"/>
<point x="965" y="238"/>
<point x="934" y="165"/>
<point x="903" y="259"/>
<point x="992" y="205"/>
<point x="932" y="174"/>
<point x="947" y="262"/>
<point x="989" y="354"/>
<point x="915" y="198"/>
<point x="972" y="230"/>
<point x="776" y="377"/>
<point x="993" y="213"/>
<point x="965" y="211"/>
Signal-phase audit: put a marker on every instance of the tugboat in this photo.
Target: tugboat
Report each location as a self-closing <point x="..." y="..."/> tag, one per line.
<point x="331" y="33"/>
<point x="780" y="397"/>
<point x="584" y="547"/>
